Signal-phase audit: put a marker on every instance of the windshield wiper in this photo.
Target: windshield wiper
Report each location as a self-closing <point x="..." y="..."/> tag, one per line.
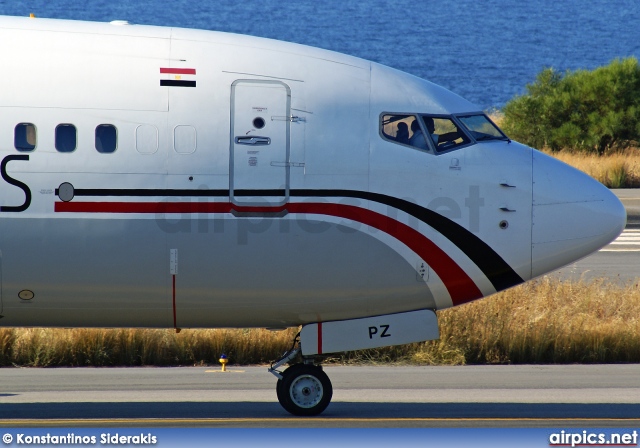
<point x="486" y="137"/>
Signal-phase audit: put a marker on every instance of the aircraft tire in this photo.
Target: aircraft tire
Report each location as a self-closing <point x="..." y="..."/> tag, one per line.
<point x="304" y="390"/>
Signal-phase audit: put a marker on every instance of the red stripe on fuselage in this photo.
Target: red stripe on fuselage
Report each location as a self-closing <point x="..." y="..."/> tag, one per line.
<point x="175" y="320"/>
<point x="161" y="207"/>
<point x="460" y="286"/>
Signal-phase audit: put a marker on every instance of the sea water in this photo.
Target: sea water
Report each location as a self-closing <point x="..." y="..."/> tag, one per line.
<point x="484" y="50"/>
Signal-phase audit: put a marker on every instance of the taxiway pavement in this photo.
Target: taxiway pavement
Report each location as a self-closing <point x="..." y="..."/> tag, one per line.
<point x="364" y="396"/>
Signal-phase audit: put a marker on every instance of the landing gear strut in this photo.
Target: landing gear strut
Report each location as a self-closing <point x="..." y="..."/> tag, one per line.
<point x="303" y="388"/>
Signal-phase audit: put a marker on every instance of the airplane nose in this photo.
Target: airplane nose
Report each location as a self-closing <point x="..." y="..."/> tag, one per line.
<point x="573" y="215"/>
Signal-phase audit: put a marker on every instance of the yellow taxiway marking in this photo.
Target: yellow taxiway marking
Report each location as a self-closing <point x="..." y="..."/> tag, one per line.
<point x="196" y="421"/>
<point x="226" y="371"/>
<point x="619" y="250"/>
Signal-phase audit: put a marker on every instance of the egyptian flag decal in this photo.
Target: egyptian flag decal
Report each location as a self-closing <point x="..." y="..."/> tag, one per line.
<point x="178" y="77"/>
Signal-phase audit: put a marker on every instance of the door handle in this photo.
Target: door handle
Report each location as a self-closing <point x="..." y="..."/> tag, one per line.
<point x="253" y="140"/>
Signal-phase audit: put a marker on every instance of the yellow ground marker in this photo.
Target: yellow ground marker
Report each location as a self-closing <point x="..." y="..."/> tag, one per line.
<point x="224" y="360"/>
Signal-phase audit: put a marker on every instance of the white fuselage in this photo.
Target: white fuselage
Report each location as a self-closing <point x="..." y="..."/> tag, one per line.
<point x="251" y="185"/>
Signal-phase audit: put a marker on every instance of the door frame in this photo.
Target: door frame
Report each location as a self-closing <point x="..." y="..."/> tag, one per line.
<point x="285" y="163"/>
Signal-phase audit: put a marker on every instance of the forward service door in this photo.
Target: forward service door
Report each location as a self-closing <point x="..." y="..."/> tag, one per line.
<point x="259" y="159"/>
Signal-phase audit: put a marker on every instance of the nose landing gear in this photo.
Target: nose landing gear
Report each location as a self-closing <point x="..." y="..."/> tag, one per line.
<point x="302" y="389"/>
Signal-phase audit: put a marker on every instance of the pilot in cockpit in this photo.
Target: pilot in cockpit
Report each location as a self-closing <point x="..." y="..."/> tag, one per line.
<point x="402" y="135"/>
<point x="431" y="127"/>
<point x="417" y="139"/>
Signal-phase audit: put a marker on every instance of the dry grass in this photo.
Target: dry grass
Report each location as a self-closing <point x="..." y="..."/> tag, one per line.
<point x="49" y="347"/>
<point x="549" y="321"/>
<point x="616" y="170"/>
<point x="545" y="321"/>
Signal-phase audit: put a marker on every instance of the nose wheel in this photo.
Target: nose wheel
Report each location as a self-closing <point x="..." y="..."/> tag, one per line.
<point x="304" y="390"/>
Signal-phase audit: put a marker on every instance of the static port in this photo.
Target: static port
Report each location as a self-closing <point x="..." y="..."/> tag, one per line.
<point x="504" y="224"/>
<point x="25" y="294"/>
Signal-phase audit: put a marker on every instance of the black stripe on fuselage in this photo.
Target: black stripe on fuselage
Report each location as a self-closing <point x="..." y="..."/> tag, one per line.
<point x="176" y="83"/>
<point x="498" y="271"/>
<point x="140" y="192"/>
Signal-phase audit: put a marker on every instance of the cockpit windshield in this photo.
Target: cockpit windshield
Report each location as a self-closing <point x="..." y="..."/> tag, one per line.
<point x="445" y="134"/>
<point x="438" y="134"/>
<point x="426" y="132"/>
<point x="481" y="128"/>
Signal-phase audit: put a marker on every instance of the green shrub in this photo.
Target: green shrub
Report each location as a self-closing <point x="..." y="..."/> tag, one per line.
<point x="591" y="111"/>
<point x="617" y="176"/>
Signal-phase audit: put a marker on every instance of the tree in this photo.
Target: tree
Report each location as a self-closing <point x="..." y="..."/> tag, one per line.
<point x="592" y="111"/>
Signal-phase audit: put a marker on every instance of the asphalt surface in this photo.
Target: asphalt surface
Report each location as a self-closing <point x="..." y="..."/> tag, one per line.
<point x="630" y="197"/>
<point x="366" y="396"/>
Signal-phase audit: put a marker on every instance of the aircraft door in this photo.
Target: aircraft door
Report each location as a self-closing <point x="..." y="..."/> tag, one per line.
<point x="260" y="139"/>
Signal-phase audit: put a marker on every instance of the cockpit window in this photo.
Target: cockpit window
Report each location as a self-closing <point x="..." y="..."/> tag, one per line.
<point x="444" y="133"/>
<point x="425" y="132"/>
<point x="402" y="129"/>
<point x="481" y="128"/>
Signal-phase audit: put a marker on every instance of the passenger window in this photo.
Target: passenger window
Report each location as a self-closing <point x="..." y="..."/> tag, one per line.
<point x="24" y="137"/>
<point x="146" y="139"/>
<point x="444" y="133"/>
<point x="403" y="129"/>
<point x="106" y="138"/>
<point x="184" y="139"/>
<point x="66" y="138"/>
